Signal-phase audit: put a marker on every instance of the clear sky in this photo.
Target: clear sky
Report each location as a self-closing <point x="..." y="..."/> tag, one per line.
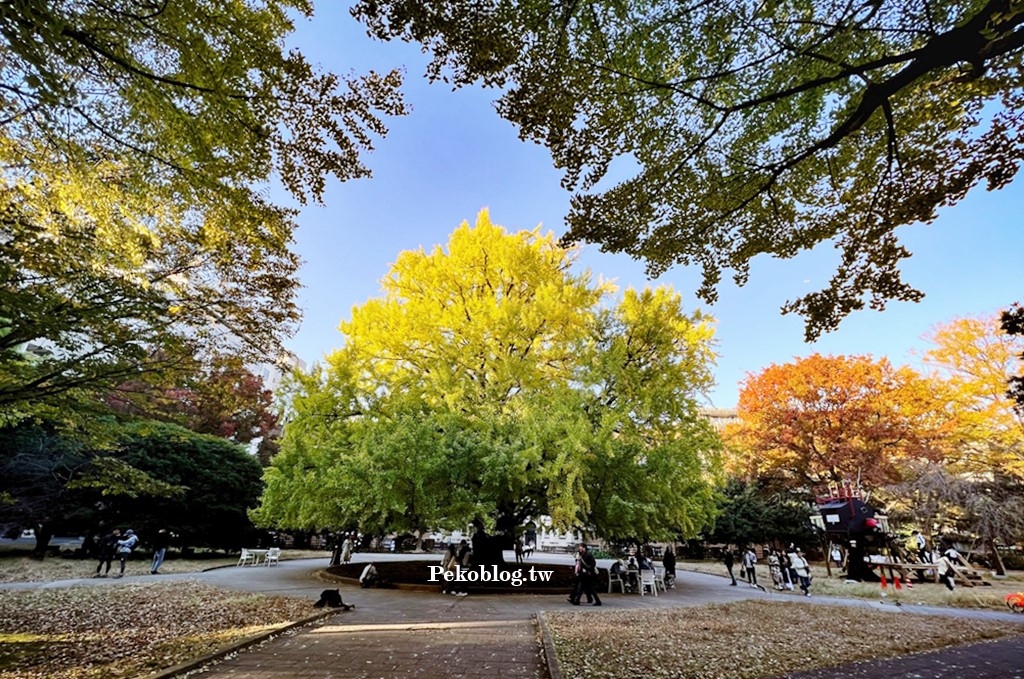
<point x="453" y="156"/>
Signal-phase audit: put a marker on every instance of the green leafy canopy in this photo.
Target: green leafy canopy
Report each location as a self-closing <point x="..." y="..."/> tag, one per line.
<point x="755" y="127"/>
<point x="136" y="140"/>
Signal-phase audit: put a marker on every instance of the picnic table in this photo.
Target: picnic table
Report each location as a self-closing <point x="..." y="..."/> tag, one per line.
<point x="963" y="574"/>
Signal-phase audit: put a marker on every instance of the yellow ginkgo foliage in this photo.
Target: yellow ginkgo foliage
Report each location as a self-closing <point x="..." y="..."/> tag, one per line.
<point x="491" y="380"/>
<point x="974" y="360"/>
<point x="492" y="315"/>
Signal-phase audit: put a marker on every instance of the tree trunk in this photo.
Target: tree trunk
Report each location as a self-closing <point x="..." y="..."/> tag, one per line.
<point x="997" y="560"/>
<point x="44" y="532"/>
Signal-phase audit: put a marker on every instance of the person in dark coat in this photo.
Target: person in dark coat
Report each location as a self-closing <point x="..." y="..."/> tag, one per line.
<point x="669" y="561"/>
<point x="160" y="544"/>
<point x="465" y="556"/>
<point x="586" y="572"/>
<point x="106" y="548"/>
<point x="729" y="563"/>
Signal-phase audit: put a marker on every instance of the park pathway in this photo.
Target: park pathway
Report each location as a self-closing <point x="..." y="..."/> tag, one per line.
<point x="393" y="634"/>
<point x="474" y="650"/>
<point x="1000" y="659"/>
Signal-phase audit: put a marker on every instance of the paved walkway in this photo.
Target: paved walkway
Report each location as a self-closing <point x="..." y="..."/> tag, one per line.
<point x="394" y="633"/>
<point x="1001" y="659"/>
<point x="474" y="650"/>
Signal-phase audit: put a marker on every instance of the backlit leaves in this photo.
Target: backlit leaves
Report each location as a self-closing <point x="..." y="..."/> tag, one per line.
<point x="491" y="380"/>
<point x="708" y="133"/>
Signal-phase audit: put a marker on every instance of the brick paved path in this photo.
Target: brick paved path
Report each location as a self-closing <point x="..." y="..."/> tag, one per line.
<point x="475" y="650"/>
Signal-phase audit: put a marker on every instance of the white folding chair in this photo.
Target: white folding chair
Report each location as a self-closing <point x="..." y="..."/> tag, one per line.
<point x="647" y="580"/>
<point x="246" y="558"/>
<point x="616" y="579"/>
<point x="273" y="556"/>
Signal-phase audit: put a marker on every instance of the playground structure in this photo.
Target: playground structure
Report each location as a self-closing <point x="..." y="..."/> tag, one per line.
<point x="849" y="521"/>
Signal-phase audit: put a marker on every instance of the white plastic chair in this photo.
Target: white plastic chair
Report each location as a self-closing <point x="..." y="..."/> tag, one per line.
<point x="246" y="558"/>
<point x="273" y="556"/>
<point x="647" y="580"/>
<point x="616" y="579"/>
<point x="659" y="579"/>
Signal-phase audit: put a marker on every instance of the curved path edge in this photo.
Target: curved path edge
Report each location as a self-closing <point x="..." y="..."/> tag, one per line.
<point x="214" y="656"/>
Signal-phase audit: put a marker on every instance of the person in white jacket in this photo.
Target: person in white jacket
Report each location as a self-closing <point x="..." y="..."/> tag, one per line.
<point x="803" y="571"/>
<point x="749" y="563"/>
<point x="124" y="548"/>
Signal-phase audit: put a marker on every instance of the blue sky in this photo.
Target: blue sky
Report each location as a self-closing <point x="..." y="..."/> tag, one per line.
<point x="453" y="156"/>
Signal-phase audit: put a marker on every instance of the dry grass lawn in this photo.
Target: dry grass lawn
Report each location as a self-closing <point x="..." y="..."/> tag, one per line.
<point x="926" y="594"/>
<point x="746" y="639"/>
<point x="22" y="568"/>
<point x="127" y="631"/>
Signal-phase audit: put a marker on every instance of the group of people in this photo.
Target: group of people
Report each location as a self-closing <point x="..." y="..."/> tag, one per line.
<point x="115" y="545"/>
<point x="584" y="575"/>
<point x="455" y="557"/>
<point x="524" y="549"/>
<point x="629" y="571"/>
<point x="344" y="547"/>
<point x="788" y="568"/>
<point x="946" y="561"/>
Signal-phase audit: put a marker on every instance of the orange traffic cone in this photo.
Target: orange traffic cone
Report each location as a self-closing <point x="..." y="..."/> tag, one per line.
<point x="885" y="585"/>
<point x="896" y="582"/>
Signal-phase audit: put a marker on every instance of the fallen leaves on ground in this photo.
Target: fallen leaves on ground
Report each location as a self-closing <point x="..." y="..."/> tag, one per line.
<point x="127" y="630"/>
<point x="19" y="567"/>
<point x="746" y="639"/>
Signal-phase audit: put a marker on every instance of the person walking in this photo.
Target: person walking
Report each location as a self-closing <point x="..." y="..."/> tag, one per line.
<point x="837" y="556"/>
<point x="921" y="543"/>
<point x="106" y="548"/>
<point x="727" y="558"/>
<point x="946" y="572"/>
<point x="803" y="571"/>
<point x="346" y="549"/>
<point x="160" y="544"/>
<point x="464" y="556"/>
<point x="790" y="570"/>
<point x="586" y="571"/>
<point x="450" y="563"/>
<point x="124" y="548"/>
<point x="339" y="539"/>
<point x="749" y="560"/>
<point x="669" y="562"/>
<point x="775" y="568"/>
<point x="786" y="567"/>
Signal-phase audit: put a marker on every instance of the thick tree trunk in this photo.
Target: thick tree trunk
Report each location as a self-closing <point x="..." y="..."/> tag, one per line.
<point x="44" y="533"/>
<point x="997" y="560"/>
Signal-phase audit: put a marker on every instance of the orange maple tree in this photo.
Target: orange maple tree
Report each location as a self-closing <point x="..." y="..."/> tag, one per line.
<point x="827" y="419"/>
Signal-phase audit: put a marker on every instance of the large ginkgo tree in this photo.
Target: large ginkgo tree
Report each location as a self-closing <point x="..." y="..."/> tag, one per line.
<point x="490" y="380"/>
